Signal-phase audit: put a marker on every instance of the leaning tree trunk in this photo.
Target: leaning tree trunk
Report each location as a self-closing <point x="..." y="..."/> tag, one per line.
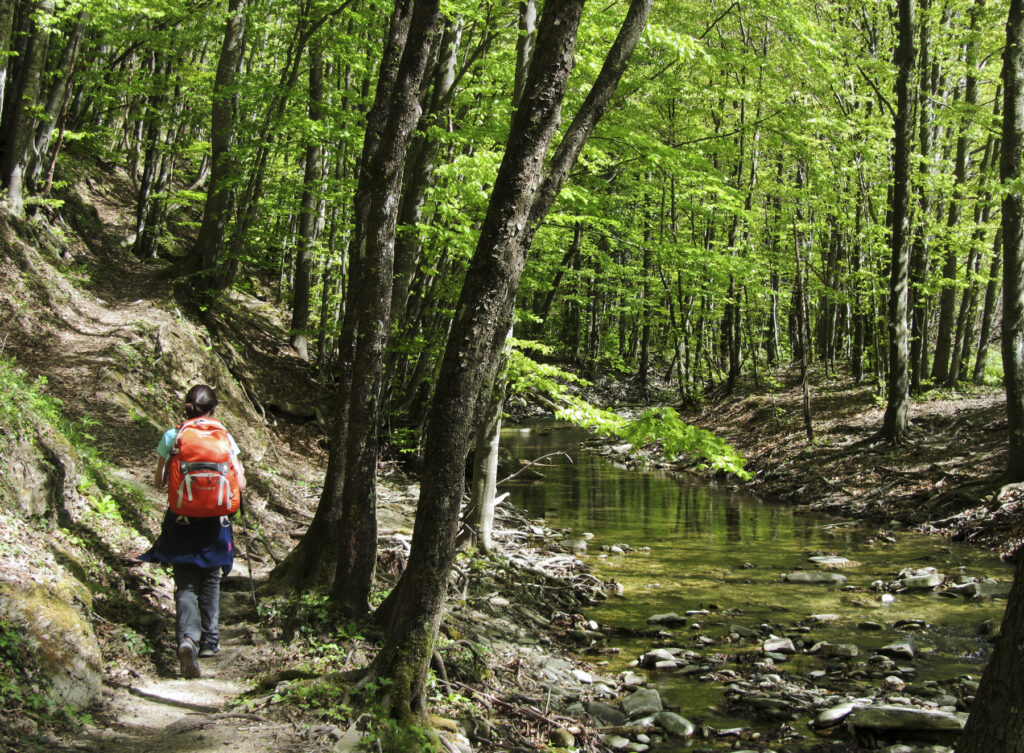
<point x="482" y="317"/>
<point x="895" y="422"/>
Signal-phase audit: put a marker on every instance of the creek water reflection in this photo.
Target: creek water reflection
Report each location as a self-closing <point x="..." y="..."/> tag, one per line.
<point x="726" y="552"/>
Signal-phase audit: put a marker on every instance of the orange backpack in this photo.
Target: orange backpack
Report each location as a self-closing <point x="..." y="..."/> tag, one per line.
<point x="201" y="480"/>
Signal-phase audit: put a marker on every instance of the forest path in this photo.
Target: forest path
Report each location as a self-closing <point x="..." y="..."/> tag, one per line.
<point x="168" y="714"/>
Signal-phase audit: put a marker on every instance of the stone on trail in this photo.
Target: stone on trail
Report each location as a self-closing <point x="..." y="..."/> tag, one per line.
<point x="670" y="618"/>
<point x="775" y="645"/>
<point x="643" y="702"/>
<point x="814" y="577"/>
<point x="674" y="724"/>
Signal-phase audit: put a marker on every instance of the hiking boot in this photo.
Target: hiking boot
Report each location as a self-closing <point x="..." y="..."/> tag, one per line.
<point x="187" y="656"/>
<point x="206" y="650"/>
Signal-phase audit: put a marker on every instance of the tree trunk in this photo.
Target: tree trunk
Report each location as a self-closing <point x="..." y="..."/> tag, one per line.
<point x="989" y="310"/>
<point x="482" y="318"/>
<point x="206" y="253"/>
<point x="357" y="555"/>
<point x="308" y="225"/>
<point x="895" y="422"/>
<point x="7" y="13"/>
<point x="27" y="95"/>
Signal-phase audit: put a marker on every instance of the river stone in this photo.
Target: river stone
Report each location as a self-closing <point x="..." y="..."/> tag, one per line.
<point x="775" y="645"/>
<point x="576" y="546"/>
<point x="823" y="618"/>
<point x="674" y="724"/>
<point x="651" y="658"/>
<point x="923" y="582"/>
<point x="833" y="715"/>
<point x="561" y="738"/>
<point x="904" y="649"/>
<point x="643" y="702"/>
<point x="805" y="576"/>
<point x="844" y="650"/>
<point x="889" y="718"/>
<point x="868" y="625"/>
<point x="743" y="632"/>
<point x="615" y="742"/>
<point x="831" y="561"/>
<point x="671" y="618"/>
<point x="633" y="680"/>
<point x="602" y="712"/>
<point x="582" y="677"/>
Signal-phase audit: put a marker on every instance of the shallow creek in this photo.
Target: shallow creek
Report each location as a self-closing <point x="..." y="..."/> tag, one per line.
<point x="726" y="552"/>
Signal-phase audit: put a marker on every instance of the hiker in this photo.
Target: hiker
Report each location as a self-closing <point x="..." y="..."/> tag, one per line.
<point x="198" y="461"/>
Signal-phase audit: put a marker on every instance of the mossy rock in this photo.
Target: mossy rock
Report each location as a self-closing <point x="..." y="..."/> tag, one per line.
<point x="61" y="637"/>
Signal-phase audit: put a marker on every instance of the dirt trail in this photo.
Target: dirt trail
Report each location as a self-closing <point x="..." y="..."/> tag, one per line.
<point x="168" y="714"/>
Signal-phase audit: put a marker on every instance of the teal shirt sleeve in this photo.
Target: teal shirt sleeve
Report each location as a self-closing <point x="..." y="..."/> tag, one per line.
<point x="167" y="443"/>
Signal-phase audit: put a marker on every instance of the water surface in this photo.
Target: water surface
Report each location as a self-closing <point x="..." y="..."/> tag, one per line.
<point x="712" y="548"/>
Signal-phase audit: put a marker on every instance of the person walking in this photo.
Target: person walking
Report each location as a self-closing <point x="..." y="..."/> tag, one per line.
<point x="198" y="462"/>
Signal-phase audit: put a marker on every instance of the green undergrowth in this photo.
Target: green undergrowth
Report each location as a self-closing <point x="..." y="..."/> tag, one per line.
<point x="659" y="426"/>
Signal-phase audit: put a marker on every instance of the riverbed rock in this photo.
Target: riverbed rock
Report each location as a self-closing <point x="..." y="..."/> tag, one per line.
<point x="898" y="721"/>
<point x="674" y="724"/>
<point x="615" y="742"/>
<point x="643" y="702"/>
<point x="842" y="650"/>
<point x="651" y="658"/>
<point x="602" y="712"/>
<point x="815" y="577"/>
<point x="670" y="618"/>
<point x="562" y="738"/>
<point x="833" y="715"/>
<point x="822" y="619"/>
<point x="743" y="632"/>
<point x="776" y="645"/>
<point x="632" y="680"/>
<point x="829" y="561"/>
<point x="903" y="649"/>
<point x="582" y="677"/>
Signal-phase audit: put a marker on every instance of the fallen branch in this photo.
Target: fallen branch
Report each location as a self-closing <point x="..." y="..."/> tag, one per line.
<point x="535" y="462"/>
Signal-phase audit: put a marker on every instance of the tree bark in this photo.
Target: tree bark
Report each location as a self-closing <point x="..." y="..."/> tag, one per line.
<point x="895" y="421"/>
<point x="26" y="94"/>
<point x="308" y="215"/>
<point x="483" y="315"/>
<point x="205" y="254"/>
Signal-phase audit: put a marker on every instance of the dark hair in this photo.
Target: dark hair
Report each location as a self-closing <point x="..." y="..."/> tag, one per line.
<point x="200" y="401"/>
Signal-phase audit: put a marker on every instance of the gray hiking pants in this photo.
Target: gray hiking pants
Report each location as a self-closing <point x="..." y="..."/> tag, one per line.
<point x="197" y="599"/>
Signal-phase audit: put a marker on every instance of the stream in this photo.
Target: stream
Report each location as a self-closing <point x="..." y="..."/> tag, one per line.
<point x="725" y="552"/>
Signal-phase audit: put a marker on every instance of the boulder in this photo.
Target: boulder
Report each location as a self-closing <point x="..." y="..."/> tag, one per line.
<point x="643" y="702"/>
<point x="651" y="658"/>
<point x="897" y="721"/>
<point x="60" y="635"/>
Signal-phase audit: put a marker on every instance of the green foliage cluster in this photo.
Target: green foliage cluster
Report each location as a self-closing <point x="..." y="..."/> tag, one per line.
<point x="661" y="426"/>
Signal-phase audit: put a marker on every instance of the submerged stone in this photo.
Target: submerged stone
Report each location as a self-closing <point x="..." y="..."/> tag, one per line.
<point x="674" y="724"/>
<point x="670" y="618"/>
<point x="814" y="577"/>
